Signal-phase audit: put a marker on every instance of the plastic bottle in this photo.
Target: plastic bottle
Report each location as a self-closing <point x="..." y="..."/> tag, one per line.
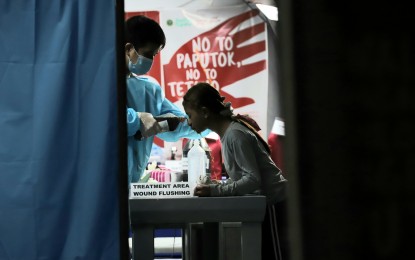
<point x="186" y="148"/>
<point x="184" y="160"/>
<point x="196" y="164"/>
<point x="208" y="152"/>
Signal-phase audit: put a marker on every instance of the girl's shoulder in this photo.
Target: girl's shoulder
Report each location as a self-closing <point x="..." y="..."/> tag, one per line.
<point x="237" y="132"/>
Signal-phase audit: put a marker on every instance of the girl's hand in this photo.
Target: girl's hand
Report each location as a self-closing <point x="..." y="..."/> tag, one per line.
<point x="202" y="190"/>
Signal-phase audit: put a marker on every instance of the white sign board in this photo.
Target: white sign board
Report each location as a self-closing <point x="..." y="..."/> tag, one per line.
<point x="160" y="190"/>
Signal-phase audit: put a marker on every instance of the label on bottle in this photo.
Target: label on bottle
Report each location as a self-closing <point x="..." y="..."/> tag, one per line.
<point x="164" y="126"/>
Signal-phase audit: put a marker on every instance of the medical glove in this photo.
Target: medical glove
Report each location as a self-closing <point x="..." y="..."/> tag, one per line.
<point x="149" y="125"/>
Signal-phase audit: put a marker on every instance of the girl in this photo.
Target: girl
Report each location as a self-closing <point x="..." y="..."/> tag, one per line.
<point x="246" y="159"/>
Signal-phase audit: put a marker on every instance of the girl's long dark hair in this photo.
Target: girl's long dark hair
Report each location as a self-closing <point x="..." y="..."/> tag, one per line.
<point x="204" y="95"/>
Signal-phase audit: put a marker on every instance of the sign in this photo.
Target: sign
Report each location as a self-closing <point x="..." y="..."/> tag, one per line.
<point x="160" y="190"/>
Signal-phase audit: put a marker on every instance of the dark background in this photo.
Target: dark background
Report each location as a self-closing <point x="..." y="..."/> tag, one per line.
<point x="347" y="76"/>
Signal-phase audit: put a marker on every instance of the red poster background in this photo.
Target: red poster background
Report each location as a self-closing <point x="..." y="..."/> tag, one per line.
<point x="217" y="58"/>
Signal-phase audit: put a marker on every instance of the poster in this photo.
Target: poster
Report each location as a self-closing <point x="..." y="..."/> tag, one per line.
<point x="226" y="48"/>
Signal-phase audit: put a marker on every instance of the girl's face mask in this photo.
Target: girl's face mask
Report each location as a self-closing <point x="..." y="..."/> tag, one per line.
<point x="142" y="66"/>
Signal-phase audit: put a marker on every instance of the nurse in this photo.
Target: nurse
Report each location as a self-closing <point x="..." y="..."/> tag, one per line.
<point x="145" y="99"/>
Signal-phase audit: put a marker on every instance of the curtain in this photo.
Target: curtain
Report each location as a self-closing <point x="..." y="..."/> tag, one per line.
<point x="58" y="130"/>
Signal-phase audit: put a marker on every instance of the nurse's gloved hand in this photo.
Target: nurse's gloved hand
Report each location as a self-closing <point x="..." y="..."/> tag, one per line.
<point x="149" y="125"/>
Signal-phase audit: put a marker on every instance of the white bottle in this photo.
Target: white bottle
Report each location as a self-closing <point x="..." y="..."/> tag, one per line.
<point x="196" y="159"/>
<point x="184" y="160"/>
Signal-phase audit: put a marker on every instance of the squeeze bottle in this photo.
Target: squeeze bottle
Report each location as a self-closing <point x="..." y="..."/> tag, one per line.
<point x="196" y="159"/>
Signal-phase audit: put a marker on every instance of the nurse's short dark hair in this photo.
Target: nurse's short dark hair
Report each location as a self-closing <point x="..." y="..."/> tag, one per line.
<point x="141" y="30"/>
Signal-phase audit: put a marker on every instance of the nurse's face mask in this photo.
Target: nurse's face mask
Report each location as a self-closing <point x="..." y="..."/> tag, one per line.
<point x="142" y="66"/>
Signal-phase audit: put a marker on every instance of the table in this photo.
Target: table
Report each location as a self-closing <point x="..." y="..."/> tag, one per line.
<point x="149" y="214"/>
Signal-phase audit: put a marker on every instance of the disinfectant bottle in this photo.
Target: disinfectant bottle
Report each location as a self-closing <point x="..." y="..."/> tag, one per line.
<point x="186" y="148"/>
<point x="196" y="159"/>
<point x="184" y="160"/>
